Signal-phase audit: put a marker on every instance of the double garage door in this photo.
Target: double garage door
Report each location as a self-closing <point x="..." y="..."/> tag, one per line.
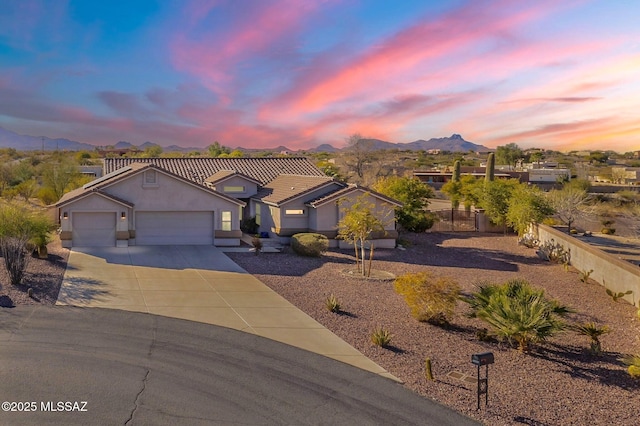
<point x="98" y="229"/>
<point x="174" y="228"/>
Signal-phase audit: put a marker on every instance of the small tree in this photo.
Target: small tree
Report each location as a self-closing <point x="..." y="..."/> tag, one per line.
<point x="527" y="205"/>
<point x="356" y="226"/>
<point x="495" y="199"/>
<point x="414" y="196"/>
<point x="567" y="203"/>
<point x="509" y="154"/>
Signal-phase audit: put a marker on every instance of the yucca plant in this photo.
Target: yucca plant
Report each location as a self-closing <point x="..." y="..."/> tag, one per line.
<point x="633" y="363"/>
<point x="332" y="304"/>
<point x="518" y="313"/>
<point x="381" y="337"/>
<point x="593" y="331"/>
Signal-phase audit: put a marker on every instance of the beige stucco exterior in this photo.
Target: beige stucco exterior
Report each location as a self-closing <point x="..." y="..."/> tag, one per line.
<point x="166" y="194"/>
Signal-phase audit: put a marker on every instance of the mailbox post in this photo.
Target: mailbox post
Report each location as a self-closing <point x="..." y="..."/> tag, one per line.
<point x="481" y="359"/>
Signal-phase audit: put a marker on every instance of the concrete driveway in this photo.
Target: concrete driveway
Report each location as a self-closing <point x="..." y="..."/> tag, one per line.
<point x="197" y="283"/>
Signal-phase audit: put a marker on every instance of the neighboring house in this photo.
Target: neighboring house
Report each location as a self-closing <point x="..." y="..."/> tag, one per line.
<point x="155" y="201"/>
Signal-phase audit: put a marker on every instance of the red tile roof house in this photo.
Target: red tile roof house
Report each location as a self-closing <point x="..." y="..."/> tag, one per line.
<point x="202" y="201"/>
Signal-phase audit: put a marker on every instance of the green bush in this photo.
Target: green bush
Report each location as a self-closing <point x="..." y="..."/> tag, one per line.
<point x="309" y="244"/>
<point x="516" y="312"/>
<point x="430" y="299"/>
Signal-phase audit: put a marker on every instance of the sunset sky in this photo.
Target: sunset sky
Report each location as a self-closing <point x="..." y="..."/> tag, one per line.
<point x="261" y="73"/>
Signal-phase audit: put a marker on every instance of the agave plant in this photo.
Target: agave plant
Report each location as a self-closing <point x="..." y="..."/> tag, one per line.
<point x="593" y="331"/>
<point x="518" y="313"/>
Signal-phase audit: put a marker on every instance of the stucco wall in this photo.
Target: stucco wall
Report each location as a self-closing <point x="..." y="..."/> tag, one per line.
<point x="94" y="203"/>
<point x="250" y="188"/>
<point x="169" y="194"/>
<point x="611" y="272"/>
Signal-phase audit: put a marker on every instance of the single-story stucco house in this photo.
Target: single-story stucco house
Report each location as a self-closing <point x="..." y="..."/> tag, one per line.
<point x="202" y="201"/>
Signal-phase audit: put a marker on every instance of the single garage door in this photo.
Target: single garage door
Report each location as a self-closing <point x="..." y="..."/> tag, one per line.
<point x="174" y="228"/>
<point x="93" y="229"/>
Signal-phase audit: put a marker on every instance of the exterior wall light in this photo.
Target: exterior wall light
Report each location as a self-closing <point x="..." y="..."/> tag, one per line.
<point x="65" y="215"/>
<point x="123" y="215"/>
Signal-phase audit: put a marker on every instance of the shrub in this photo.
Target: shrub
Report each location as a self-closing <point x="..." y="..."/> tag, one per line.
<point x="309" y="244"/>
<point x="430" y="299"/>
<point x="257" y="245"/>
<point x="633" y="363"/>
<point x="584" y="275"/>
<point x="517" y="312"/>
<point x="332" y="304"/>
<point x="593" y="331"/>
<point x="381" y="337"/>
<point x="18" y="227"/>
<point x="249" y="226"/>
<point x="615" y="296"/>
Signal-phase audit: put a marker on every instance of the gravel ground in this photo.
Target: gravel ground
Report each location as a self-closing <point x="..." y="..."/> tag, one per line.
<point x="560" y="383"/>
<point x="43" y="276"/>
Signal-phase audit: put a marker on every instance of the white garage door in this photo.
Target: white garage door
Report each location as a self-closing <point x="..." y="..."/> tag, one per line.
<point x="174" y="228"/>
<point x="93" y="229"/>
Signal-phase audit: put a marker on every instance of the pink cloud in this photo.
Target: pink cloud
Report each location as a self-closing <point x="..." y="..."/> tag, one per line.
<point x="215" y="54"/>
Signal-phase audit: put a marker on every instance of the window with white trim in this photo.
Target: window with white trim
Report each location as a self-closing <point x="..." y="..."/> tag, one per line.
<point x="225" y="218"/>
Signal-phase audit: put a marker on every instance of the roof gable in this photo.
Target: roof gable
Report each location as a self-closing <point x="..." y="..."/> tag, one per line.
<point x="285" y="188"/>
<point x="223" y="175"/>
<point x="347" y="191"/>
<point x="100" y="184"/>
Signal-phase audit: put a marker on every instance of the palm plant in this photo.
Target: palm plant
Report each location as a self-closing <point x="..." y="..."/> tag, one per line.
<point x="593" y="331"/>
<point x="517" y="312"/>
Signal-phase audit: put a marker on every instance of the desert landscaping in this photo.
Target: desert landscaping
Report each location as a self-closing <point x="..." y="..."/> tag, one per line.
<point x="560" y="382"/>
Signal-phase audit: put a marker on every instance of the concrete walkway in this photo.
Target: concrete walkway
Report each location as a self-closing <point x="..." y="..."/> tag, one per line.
<point x="197" y="283"/>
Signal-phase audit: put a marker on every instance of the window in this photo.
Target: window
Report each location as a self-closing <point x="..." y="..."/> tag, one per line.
<point x="231" y="188"/>
<point x="294" y="211"/>
<point x="258" y="218"/>
<point x="226" y="221"/>
<point x="150" y="178"/>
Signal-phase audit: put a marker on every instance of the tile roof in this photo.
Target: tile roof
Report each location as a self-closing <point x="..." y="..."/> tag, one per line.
<point x="287" y="187"/>
<point x="341" y="192"/>
<point x="97" y="185"/>
<point x="198" y="170"/>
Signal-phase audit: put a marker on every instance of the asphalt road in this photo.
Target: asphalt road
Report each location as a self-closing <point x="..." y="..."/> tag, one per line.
<point x="71" y="365"/>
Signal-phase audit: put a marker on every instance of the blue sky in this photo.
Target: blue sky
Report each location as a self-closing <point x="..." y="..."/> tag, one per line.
<point x="548" y="74"/>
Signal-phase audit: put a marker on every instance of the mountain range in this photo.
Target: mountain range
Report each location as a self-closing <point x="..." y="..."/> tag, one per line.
<point x="9" y="139"/>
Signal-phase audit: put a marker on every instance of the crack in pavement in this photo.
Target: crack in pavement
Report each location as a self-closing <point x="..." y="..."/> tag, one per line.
<point x="135" y="407"/>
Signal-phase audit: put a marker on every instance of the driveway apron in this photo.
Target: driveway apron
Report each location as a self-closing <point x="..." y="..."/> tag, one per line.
<point x="196" y="283"/>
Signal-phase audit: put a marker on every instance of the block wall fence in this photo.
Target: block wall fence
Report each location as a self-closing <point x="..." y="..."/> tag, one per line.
<point x="608" y="270"/>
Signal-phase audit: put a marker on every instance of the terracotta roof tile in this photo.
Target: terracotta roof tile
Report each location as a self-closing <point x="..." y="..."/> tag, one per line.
<point x="263" y="170"/>
<point x="287" y="187"/>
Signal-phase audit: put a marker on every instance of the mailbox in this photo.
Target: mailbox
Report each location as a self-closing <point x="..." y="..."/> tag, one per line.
<point x="484" y="358"/>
